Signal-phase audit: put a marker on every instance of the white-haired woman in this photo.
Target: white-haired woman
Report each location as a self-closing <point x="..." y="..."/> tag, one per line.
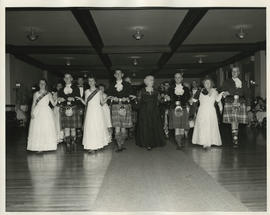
<point x="150" y="133"/>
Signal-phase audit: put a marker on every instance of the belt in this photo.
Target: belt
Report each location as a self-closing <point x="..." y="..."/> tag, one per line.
<point x="231" y="98"/>
<point x="120" y="103"/>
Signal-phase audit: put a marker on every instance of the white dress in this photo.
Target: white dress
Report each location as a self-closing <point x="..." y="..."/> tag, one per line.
<point x="206" y="130"/>
<point x="95" y="134"/>
<point x="107" y="113"/>
<point x="42" y="131"/>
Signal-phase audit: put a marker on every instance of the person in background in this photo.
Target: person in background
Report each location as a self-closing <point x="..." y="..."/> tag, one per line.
<point x="193" y="104"/>
<point x="106" y="109"/>
<point x="178" y="113"/>
<point x="95" y="135"/>
<point x="149" y="130"/>
<point x="127" y="79"/>
<point x="56" y="110"/>
<point x="236" y="103"/>
<point x="130" y="131"/>
<point x="206" y="130"/>
<point x="82" y="88"/>
<point x="42" y="131"/>
<point x="121" y="94"/>
<point x="71" y="119"/>
<point x="165" y="105"/>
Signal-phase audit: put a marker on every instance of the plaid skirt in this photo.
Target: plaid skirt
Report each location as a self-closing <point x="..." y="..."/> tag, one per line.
<point x="178" y="121"/>
<point x="74" y="121"/>
<point x="232" y="114"/>
<point x="122" y="121"/>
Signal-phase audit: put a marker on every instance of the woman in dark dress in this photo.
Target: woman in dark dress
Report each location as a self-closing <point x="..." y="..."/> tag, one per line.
<point x="150" y="133"/>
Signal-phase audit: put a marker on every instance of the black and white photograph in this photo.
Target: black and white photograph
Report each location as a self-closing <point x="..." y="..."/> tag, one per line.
<point x="134" y="107"/>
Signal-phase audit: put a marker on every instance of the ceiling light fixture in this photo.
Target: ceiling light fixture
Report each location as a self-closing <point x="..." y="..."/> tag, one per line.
<point x="138" y="35"/>
<point x="200" y="58"/>
<point x="135" y="60"/>
<point x="68" y="62"/>
<point x="241" y="34"/>
<point x="32" y="36"/>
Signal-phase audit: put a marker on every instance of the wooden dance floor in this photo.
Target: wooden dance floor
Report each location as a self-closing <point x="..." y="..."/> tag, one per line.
<point x="220" y="179"/>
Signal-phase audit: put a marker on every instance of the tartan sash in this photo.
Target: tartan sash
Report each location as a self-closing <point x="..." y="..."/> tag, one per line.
<point x="89" y="98"/>
<point x="41" y="97"/>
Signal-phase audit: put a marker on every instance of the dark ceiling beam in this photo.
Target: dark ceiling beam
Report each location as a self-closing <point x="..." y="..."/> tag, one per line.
<point x="131" y="67"/>
<point x="192" y="18"/>
<point x="87" y="49"/>
<point x="31" y="61"/>
<point x="51" y="49"/>
<point x="136" y="49"/>
<point x="87" y="23"/>
<point x="237" y="47"/>
<point x="231" y="47"/>
<point x="236" y="58"/>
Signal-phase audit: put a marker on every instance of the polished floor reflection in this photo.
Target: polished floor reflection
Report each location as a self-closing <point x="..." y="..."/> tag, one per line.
<point x="78" y="181"/>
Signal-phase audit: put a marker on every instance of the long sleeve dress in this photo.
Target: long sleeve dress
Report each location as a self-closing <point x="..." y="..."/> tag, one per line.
<point x="149" y="130"/>
<point x="206" y="130"/>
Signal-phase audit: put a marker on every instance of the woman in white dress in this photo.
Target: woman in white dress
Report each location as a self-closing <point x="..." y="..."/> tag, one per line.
<point x="206" y="130"/>
<point x="56" y="110"/>
<point x="42" y="131"/>
<point x="106" y="110"/>
<point x="95" y="135"/>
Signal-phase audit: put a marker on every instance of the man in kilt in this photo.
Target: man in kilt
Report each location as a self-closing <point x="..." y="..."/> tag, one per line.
<point x="121" y="95"/>
<point x="178" y="112"/>
<point x="71" y="118"/>
<point x="236" y="103"/>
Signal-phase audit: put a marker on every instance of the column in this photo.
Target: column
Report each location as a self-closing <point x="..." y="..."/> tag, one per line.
<point x="260" y="73"/>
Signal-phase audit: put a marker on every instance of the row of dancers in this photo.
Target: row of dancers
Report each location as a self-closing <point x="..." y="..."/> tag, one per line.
<point x="92" y="113"/>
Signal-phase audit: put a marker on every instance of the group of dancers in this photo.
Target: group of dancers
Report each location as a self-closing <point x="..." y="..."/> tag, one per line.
<point x="74" y="114"/>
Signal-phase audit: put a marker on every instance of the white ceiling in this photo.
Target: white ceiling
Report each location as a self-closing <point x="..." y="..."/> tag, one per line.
<point x="218" y="26"/>
<point x="55" y="28"/>
<point x="116" y="27"/>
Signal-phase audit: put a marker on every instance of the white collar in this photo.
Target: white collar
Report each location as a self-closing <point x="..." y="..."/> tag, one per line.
<point x="68" y="85"/>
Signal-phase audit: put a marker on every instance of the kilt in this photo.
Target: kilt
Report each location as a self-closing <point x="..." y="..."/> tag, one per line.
<point x="238" y="115"/>
<point x="178" y="121"/>
<point x="74" y="121"/>
<point x="119" y="120"/>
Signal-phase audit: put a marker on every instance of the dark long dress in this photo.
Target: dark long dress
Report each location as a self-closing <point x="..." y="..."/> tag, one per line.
<point x="149" y="130"/>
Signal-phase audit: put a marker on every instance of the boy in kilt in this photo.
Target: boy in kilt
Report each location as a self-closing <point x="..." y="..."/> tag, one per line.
<point x="121" y="95"/>
<point x="178" y="112"/>
<point x="236" y="103"/>
<point x="71" y="119"/>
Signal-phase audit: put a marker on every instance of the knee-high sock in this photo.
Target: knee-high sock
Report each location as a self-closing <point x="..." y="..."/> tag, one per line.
<point x="235" y="136"/>
<point x="178" y="139"/>
<point x="123" y="137"/>
<point x="118" y="138"/>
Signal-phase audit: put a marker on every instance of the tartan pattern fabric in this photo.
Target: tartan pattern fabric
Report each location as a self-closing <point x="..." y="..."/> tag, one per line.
<point x="232" y="114"/>
<point x="122" y="121"/>
<point x="178" y="122"/>
<point x="74" y="121"/>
